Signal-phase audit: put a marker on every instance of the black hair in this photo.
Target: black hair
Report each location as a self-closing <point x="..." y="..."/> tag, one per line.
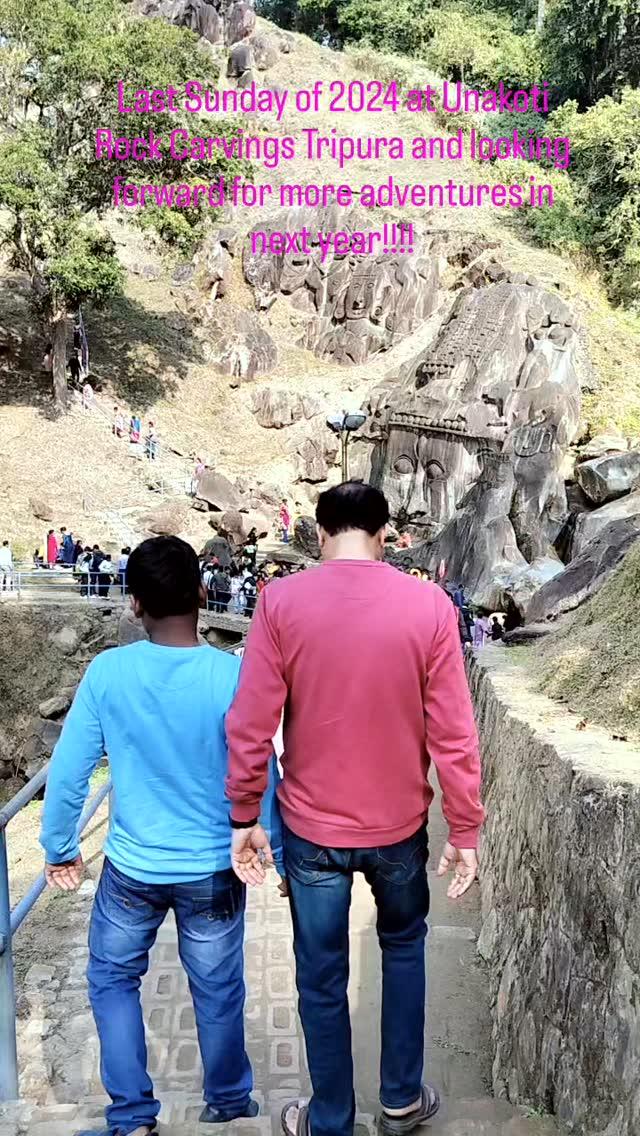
<point x="352" y="505"/>
<point x="163" y="574"/>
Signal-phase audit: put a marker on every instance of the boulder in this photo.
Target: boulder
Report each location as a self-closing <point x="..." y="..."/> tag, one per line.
<point x="239" y="20"/>
<point x="236" y="525"/>
<point x="231" y="526"/>
<point x="275" y="408"/>
<point x="240" y="60"/>
<point x="41" y="509"/>
<point x="524" y="583"/>
<point x="265" y="51"/>
<point x="305" y="538"/>
<point x="66" y="640"/>
<point x="605" y="478"/>
<point x="589" y="525"/>
<point x="54" y="707"/>
<point x="168" y="519"/>
<point x="237" y="344"/>
<point x="587" y="572"/>
<point x="219" y="493"/>
<point x="39" y="745"/>
<point x="610" y="443"/>
<point x="130" y="629"/>
<point x="218" y="548"/>
<point x="213" y="266"/>
<point x="182" y="274"/>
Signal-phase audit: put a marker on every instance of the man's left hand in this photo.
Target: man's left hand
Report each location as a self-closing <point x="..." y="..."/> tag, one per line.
<point x="66" y="877"/>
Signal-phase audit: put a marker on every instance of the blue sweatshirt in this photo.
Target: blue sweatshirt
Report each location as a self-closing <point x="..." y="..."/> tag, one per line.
<point x="159" y="715"/>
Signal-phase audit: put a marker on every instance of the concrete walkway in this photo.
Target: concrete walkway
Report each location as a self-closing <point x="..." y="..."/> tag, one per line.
<point x="63" y="1040"/>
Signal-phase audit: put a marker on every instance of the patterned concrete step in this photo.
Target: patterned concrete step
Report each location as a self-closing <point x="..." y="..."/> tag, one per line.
<point x="179" y="1117"/>
<point x="482" y="1117"/>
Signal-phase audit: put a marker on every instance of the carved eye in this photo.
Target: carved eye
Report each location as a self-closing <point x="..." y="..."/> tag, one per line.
<point x="403" y="464"/>
<point x="434" y="471"/>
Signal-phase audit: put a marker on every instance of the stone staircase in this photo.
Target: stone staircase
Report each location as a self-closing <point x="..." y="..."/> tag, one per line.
<point x="59" y="1060"/>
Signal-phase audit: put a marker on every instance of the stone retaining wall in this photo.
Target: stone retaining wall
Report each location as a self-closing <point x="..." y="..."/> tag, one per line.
<point x="561" y="904"/>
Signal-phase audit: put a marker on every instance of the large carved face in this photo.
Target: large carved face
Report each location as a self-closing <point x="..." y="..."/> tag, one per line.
<point x="424" y="472"/>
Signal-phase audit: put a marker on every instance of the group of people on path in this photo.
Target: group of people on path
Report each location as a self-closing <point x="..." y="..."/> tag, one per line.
<point x="133" y="430"/>
<point x="352" y="795"/>
<point x="94" y="569"/>
<point x="234" y="583"/>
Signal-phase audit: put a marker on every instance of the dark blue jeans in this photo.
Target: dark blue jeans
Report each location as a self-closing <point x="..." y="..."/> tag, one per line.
<point x="210" y="919"/>
<point x="320" y="881"/>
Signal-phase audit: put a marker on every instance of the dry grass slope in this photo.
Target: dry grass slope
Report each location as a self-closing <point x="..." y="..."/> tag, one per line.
<point x="146" y="355"/>
<point x="592" y="662"/>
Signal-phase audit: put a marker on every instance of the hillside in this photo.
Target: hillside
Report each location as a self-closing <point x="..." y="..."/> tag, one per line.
<point x="591" y="663"/>
<point x="147" y="353"/>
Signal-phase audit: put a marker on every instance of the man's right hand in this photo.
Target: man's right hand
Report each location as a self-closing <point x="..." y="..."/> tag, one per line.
<point x="464" y="861"/>
<point x="251" y="854"/>
<point x="66" y="877"/>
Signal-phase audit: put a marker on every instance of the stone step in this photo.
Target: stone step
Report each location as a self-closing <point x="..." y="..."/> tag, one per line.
<point x="179" y="1117"/>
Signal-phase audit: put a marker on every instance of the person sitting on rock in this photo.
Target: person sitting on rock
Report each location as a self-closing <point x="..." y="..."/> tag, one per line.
<point x="497" y="630"/>
<point x="168" y="847"/>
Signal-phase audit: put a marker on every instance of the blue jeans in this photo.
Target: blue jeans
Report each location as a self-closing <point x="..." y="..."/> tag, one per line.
<point x="320" y="881"/>
<point x="124" y="923"/>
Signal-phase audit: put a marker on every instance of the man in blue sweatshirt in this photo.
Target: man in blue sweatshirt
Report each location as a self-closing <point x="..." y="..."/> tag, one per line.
<point x="157" y="708"/>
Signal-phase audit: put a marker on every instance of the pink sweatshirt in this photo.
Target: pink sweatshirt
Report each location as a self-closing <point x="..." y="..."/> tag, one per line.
<point x="368" y="665"/>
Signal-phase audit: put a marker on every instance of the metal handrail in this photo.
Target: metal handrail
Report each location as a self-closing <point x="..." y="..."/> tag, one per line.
<point x="12" y="919"/>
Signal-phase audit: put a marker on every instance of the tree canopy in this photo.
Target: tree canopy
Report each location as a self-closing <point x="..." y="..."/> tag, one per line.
<point x="60" y="62"/>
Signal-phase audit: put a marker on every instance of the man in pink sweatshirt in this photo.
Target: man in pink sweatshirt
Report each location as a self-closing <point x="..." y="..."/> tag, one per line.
<point x="366" y="663"/>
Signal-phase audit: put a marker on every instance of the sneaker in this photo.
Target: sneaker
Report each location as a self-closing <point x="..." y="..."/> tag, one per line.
<point x="211" y="1115"/>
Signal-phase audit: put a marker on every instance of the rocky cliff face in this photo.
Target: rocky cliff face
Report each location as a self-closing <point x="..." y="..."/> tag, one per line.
<point x="561" y="932"/>
<point x="44" y="652"/>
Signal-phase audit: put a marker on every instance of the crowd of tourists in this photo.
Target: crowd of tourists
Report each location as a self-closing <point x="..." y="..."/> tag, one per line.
<point x="234" y="581"/>
<point x="94" y="570"/>
<point x="363" y="666"/>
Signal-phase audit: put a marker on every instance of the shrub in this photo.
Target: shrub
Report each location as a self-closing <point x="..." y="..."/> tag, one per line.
<point x="480" y="48"/>
<point x="561" y="226"/>
<point x="605" y="168"/>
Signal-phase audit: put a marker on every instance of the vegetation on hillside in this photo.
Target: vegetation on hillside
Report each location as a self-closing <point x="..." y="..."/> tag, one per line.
<point x="592" y="662"/>
<point x="60" y="63"/>
<point x="590" y="55"/>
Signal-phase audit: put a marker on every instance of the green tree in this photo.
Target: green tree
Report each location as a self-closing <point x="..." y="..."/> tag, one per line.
<point x="605" y="172"/>
<point x="591" y="49"/>
<point x="60" y="63"/>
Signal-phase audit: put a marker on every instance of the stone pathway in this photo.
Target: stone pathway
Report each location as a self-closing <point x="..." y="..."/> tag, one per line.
<point x="59" y="1054"/>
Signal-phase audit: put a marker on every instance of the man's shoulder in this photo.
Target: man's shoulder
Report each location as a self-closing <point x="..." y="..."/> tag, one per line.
<point x="431" y="595"/>
<point x="290" y="586"/>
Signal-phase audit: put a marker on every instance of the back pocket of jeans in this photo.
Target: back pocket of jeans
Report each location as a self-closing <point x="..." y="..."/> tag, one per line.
<point x="220" y="902"/>
<point x="399" y="863"/>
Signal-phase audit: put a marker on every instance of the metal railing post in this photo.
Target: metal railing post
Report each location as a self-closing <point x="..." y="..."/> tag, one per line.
<point x="8" y="1045"/>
